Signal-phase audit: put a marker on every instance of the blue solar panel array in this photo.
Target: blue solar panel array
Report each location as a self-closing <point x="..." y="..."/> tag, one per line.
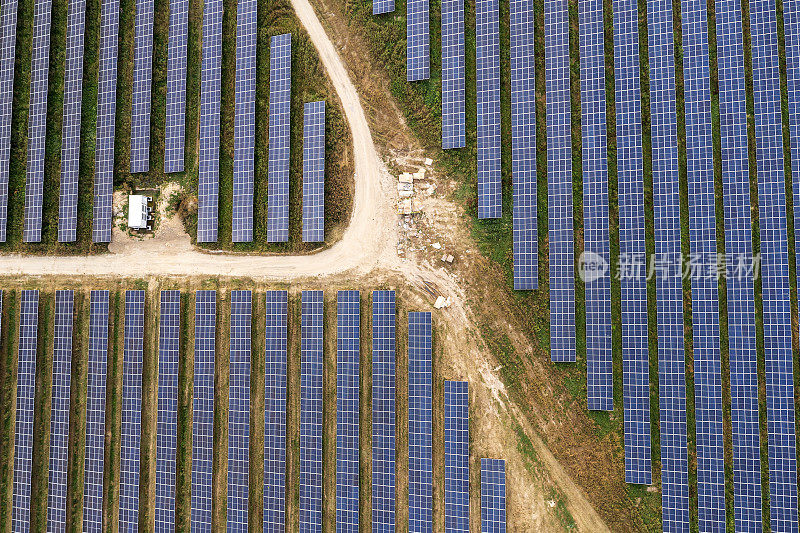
<point x="383" y="411"/>
<point x="456" y="456"/>
<point x="59" y="413"/>
<point x="175" y="134"/>
<point x="775" y="292"/>
<point x="95" y="413"/>
<point x="8" y="44"/>
<point x="743" y="356"/>
<point x="314" y="172"/>
<point x="239" y="411"/>
<point x="791" y="32"/>
<point x="142" y="80"/>
<point x="275" y="413"/>
<point x="280" y="95"/>
<point x="596" y="254"/>
<point x="487" y="75"/>
<point x="23" y="427"/>
<point x="311" y="350"/>
<point x="37" y="121"/>
<point x="210" y="98"/>
<point x="71" y="123"/>
<point x="205" y="334"/>
<point x="523" y="145"/>
<point x="453" y="107"/>
<point x="493" y="496"/>
<point x="705" y="289"/>
<point x="420" y="424"/>
<point x="382" y="6"/>
<point x="635" y="364"/>
<point x="166" y="427"/>
<point x="132" y="357"/>
<point x="348" y="353"/>
<point x="559" y="182"/>
<point x="418" y="62"/>
<point x="244" y="136"/>
<point x="675" y="513"/>
<point x="106" y="122"/>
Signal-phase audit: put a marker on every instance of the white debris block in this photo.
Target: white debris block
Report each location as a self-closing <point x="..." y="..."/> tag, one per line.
<point x="405" y="207"/>
<point x="405" y="190"/>
<point x="420" y="174"/>
<point x="406" y="177"/>
<point x="449" y="258"/>
<point x="444" y="258"/>
<point x="441" y="301"/>
<point x="428" y="161"/>
<point x="437" y="245"/>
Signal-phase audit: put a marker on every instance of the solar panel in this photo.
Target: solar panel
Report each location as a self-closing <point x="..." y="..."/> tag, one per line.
<point x="632" y="252"/>
<point x="142" y="80"/>
<point x="8" y="42"/>
<point x="280" y="93"/>
<point x="205" y="331"/>
<point x="382" y="6"/>
<point x="23" y="427"/>
<point x="487" y="74"/>
<point x="175" y="134"/>
<point x="95" y="413"/>
<point x="131" y="411"/>
<point x="311" y="349"/>
<point x="791" y="32"/>
<point x="453" y="107"/>
<point x="106" y="121"/>
<point x="71" y="123"/>
<point x="245" y="121"/>
<point x="775" y="291"/>
<point x="210" y="98"/>
<point x="383" y="411"/>
<point x="348" y="352"/>
<point x="37" y="121"/>
<point x="166" y="427"/>
<point x="420" y="424"/>
<point x="418" y="62"/>
<point x="456" y="456"/>
<point x="559" y="182"/>
<point x="493" y="496"/>
<point x="314" y="172"/>
<point x="59" y="413"/>
<point x="523" y="145"/>
<point x="743" y="357"/>
<point x="669" y="283"/>
<point x="702" y="236"/>
<point x="275" y="413"/>
<point x="239" y="411"/>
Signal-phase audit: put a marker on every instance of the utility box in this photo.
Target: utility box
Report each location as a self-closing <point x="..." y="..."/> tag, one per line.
<point x="140" y="212"/>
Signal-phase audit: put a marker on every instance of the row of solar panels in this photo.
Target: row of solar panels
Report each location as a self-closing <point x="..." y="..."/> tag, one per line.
<point x="456" y="416"/>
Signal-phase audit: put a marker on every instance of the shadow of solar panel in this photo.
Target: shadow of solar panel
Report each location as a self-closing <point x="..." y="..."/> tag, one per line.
<point x="633" y="286"/>
<point x="559" y="183"/>
<point x="743" y="357"/>
<point x="239" y="411"/>
<point x="280" y="92"/>
<point x="523" y="146"/>
<point x="775" y="291"/>
<point x="348" y="328"/>
<point x="275" y="413"/>
<point x="59" y="412"/>
<point x="23" y="426"/>
<point x="493" y="496"/>
<point x="205" y="331"/>
<point x="142" y="81"/>
<point x="311" y="358"/>
<point x="456" y="456"/>
<point x="8" y="43"/>
<point x="420" y="424"/>
<point x="106" y="122"/>
<point x="175" y="133"/>
<point x="245" y="120"/>
<point x="380" y="7"/>
<point x="314" y="172"/>
<point x="210" y="98"/>
<point x="95" y="413"/>
<point x="453" y="107"/>
<point x="383" y="411"/>
<point x="37" y="121"/>
<point x="71" y="123"/>
<point x="166" y="426"/>
<point x="487" y="67"/>
<point x="599" y="372"/>
<point x="132" y="357"/>
<point x="418" y="63"/>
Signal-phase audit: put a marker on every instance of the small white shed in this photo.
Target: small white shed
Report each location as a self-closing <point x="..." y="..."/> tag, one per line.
<point x="137" y="211"/>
